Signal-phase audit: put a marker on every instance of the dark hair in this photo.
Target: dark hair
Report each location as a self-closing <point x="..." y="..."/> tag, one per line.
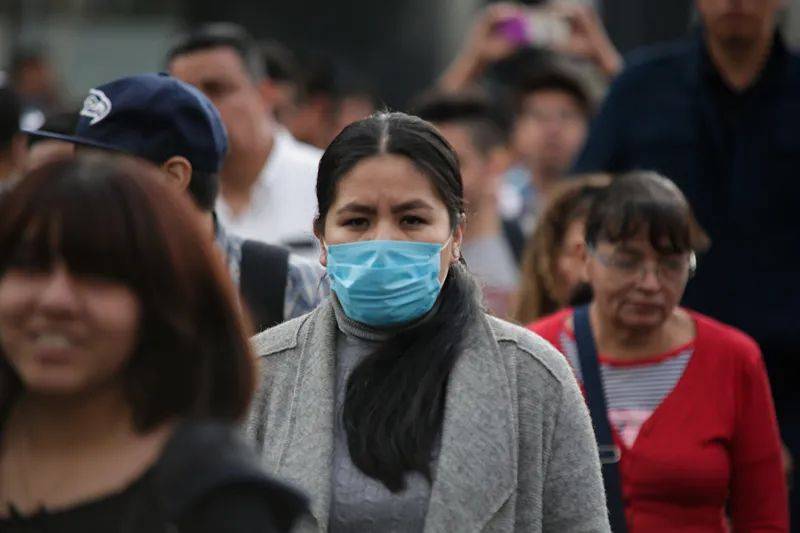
<point x="554" y="79"/>
<point x="318" y="77"/>
<point x="204" y="188"/>
<point x="484" y="122"/>
<point x="538" y="279"/>
<point x="280" y="63"/>
<point x="394" y="404"/>
<point x="222" y="35"/>
<point x="10" y="113"/>
<point x="115" y="219"/>
<point x="643" y="200"/>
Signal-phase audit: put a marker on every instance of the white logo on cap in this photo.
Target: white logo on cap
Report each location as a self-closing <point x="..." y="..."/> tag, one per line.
<point x="96" y="106"/>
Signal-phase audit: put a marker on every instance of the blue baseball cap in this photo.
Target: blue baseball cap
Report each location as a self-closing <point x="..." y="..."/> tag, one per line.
<point x="153" y="116"/>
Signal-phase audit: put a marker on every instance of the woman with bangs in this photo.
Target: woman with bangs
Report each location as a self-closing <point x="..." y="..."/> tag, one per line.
<point x="124" y="362"/>
<point x="680" y="402"/>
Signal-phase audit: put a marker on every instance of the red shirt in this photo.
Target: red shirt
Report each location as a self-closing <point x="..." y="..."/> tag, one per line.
<point x="713" y="440"/>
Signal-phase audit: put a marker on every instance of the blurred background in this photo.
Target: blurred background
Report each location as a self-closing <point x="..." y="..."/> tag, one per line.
<point x="394" y="47"/>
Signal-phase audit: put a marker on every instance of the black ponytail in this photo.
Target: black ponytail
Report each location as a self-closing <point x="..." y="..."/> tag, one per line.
<point x="394" y="405"/>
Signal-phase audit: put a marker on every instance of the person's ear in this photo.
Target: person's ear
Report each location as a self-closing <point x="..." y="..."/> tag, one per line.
<point x="458" y="240"/>
<point x="179" y="172"/>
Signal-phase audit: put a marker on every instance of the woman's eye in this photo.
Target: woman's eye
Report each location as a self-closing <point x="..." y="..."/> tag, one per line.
<point x="673" y="264"/>
<point x="356" y="222"/>
<point x="410" y="220"/>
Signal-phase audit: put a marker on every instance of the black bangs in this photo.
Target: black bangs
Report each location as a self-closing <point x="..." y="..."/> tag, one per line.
<point x="82" y="222"/>
<point x="644" y="201"/>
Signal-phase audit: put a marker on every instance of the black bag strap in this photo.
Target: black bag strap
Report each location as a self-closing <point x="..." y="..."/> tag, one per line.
<point x="596" y="400"/>
<point x="262" y="282"/>
<point x="515" y="238"/>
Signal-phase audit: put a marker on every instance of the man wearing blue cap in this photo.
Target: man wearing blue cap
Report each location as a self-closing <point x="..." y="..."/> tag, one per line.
<point x="171" y="124"/>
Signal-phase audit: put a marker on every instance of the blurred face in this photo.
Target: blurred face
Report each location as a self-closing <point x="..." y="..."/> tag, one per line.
<point x="65" y="334"/>
<point x="351" y="109"/>
<point x="548" y="132"/>
<point x="221" y="75"/>
<point x="570" y="262"/>
<point x="313" y="120"/>
<point x="480" y="185"/>
<point x="636" y="287"/>
<point x="738" y="22"/>
<point x="37" y="82"/>
<point x="385" y="197"/>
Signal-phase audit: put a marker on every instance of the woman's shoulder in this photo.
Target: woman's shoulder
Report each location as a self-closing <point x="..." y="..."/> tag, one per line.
<point x="205" y="462"/>
<point x="726" y="347"/>
<point x="551" y="326"/>
<point x="528" y="347"/>
<point x="715" y="335"/>
<point x="287" y="335"/>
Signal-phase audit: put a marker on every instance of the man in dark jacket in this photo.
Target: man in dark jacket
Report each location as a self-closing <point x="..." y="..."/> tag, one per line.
<point x="719" y="113"/>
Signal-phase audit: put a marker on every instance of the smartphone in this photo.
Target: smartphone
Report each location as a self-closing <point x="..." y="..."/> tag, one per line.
<point x="535" y="26"/>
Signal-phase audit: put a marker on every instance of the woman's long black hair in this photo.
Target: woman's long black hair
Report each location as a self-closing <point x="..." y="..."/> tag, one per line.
<point x="395" y="398"/>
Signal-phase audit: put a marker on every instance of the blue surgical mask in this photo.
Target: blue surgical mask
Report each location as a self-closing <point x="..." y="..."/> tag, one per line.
<point x="385" y="283"/>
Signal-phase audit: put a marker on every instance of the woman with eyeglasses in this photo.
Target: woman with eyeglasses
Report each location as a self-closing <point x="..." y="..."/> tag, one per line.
<point x="398" y="405"/>
<point x="689" y="424"/>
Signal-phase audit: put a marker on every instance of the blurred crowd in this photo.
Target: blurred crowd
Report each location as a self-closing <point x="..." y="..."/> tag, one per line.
<point x="399" y="270"/>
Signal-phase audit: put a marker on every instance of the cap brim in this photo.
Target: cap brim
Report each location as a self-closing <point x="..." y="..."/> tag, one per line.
<point x="74" y="139"/>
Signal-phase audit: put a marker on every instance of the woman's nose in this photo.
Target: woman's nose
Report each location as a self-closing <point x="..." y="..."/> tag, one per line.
<point x="387" y="230"/>
<point x="59" y="294"/>
<point x="649" y="278"/>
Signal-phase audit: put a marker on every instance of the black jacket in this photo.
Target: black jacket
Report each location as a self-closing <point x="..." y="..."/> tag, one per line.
<point x="206" y="481"/>
<point x="737" y="159"/>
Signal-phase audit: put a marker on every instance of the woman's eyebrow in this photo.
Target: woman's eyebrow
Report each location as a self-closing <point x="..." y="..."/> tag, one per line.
<point x="410" y="205"/>
<point x="355" y="207"/>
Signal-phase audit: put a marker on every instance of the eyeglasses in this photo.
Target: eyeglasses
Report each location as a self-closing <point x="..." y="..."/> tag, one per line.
<point x="635" y="268"/>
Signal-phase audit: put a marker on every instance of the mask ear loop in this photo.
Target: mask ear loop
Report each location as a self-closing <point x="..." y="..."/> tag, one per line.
<point x="458" y="257"/>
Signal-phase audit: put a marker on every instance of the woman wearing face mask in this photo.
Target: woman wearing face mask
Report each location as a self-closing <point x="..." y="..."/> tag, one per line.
<point x="398" y="404"/>
<point x="123" y="363"/>
<point x="681" y="403"/>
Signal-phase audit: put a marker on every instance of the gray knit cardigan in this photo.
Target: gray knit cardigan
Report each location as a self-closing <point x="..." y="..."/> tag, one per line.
<point x="517" y="449"/>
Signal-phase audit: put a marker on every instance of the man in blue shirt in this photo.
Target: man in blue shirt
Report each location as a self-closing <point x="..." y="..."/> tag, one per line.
<point x="719" y="113"/>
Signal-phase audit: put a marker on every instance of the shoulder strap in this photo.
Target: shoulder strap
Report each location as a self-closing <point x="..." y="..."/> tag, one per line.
<point x="596" y="400"/>
<point x="262" y="282"/>
<point x="515" y="238"/>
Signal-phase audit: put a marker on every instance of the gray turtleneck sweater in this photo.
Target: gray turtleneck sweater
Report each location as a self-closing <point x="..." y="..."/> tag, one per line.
<point x="360" y="503"/>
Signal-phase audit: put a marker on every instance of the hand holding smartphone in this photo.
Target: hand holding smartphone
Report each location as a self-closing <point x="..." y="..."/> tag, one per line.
<point x="538" y="26"/>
